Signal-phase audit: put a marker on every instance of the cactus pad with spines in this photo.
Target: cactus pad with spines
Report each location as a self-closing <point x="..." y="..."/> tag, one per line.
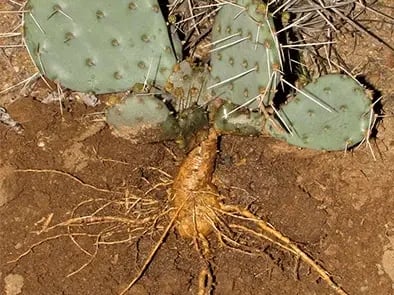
<point x="230" y="120"/>
<point x="142" y="118"/>
<point x="342" y="123"/>
<point x="245" y="56"/>
<point x="99" y="46"/>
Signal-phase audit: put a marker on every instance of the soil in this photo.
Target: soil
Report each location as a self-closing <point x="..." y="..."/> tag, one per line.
<point x="337" y="206"/>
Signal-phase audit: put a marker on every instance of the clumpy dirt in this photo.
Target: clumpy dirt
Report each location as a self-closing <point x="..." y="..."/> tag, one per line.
<point x="337" y="206"/>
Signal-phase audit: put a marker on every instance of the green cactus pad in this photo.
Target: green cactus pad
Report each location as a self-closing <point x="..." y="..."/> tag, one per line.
<point x="240" y="122"/>
<point x="142" y="118"/>
<point x="99" y="46"/>
<point x="245" y="57"/>
<point x="341" y="123"/>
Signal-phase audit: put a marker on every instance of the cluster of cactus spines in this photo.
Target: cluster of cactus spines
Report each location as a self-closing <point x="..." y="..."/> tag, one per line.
<point x="341" y="119"/>
<point x="99" y="46"/>
<point x="245" y="58"/>
<point x="140" y="116"/>
<point x="316" y="25"/>
<point x="314" y="17"/>
<point x="187" y="85"/>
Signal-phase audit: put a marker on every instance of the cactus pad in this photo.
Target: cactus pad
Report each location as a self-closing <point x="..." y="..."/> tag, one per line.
<point x="245" y="58"/>
<point x="340" y="124"/>
<point x="241" y="122"/>
<point x="142" y="118"/>
<point x="98" y="45"/>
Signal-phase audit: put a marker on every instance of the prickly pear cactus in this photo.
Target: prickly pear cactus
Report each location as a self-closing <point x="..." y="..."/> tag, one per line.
<point x="141" y="118"/>
<point x="106" y="46"/>
<point x="245" y="58"/>
<point x="332" y="113"/>
<point x="99" y="46"/>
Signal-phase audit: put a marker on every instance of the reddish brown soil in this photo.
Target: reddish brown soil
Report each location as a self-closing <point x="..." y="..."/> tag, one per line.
<point x="338" y="207"/>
